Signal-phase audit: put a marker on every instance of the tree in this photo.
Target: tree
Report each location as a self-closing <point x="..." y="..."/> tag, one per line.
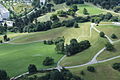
<point x="1" y="41"/>
<point x="5" y="25"/>
<point x="91" y="68"/>
<point x="60" y="47"/>
<point x="32" y="68"/>
<point x="116" y="66"/>
<point x="76" y="25"/>
<point x="102" y="34"/>
<point x="108" y="16"/>
<point x="5" y="37"/>
<point x="113" y="36"/>
<point x="82" y="73"/>
<point x="85" y="12"/>
<point x="3" y="75"/>
<point x="54" y="18"/>
<point x="109" y="47"/>
<point x="48" y="61"/>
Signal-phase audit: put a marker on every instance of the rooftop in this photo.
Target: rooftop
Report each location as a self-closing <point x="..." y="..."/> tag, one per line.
<point x="3" y="9"/>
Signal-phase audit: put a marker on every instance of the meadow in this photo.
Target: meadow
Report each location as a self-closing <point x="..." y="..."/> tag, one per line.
<point x="15" y="59"/>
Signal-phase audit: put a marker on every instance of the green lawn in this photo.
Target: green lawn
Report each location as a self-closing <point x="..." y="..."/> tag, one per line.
<point x="16" y="58"/>
<point x="79" y="33"/>
<point x="109" y="30"/>
<point x="92" y="10"/>
<point x="107" y="54"/>
<point x="104" y="71"/>
<point x="85" y="56"/>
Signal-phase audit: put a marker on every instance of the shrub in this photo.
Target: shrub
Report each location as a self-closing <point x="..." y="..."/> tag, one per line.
<point x="82" y="73"/>
<point x="32" y="68"/>
<point x="48" y="61"/>
<point x="116" y="66"/>
<point x="76" y="25"/>
<point x="113" y="36"/>
<point x="102" y="34"/>
<point x="91" y="68"/>
<point x="3" y="75"/>
<point x="109" y="47"/>
<point x="1" y="41"/>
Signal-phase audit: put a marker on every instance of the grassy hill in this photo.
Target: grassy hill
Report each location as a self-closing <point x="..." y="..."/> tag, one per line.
<point x="80" y="33"/>
<point x="16" y="58"/>
<point x="97" y="44"/>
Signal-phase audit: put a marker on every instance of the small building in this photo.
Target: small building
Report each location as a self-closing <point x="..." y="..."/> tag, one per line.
<point x="9" y="23"/>
<point x="4" y="13"/>
<point x="42" y="1"/>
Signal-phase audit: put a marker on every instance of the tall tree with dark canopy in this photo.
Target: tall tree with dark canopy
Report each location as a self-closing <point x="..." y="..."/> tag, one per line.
<point x="3" y="75"/>
<point x="32" y="68"/>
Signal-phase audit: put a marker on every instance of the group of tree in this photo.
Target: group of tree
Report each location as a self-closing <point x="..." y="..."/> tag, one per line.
<point x="104" y="17"/>
<point x="23" y="22"/>
<point x="71" y="2"/>
<point x="116" y="9"/>
<point x="48" y="42"/>
<point x="76" y="47"/>
<point x="68" y="2"/>
<point x="70" y="11"/>
<point x="106" y="4"/>
<point x="73" y="48"/>
<point x="55" y="75"/>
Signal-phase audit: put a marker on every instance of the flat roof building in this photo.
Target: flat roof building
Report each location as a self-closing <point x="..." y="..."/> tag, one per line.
<point x="4" y="13"/>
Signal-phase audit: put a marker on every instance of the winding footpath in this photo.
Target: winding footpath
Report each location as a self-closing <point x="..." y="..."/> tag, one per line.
<point x="93" y="61"/>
